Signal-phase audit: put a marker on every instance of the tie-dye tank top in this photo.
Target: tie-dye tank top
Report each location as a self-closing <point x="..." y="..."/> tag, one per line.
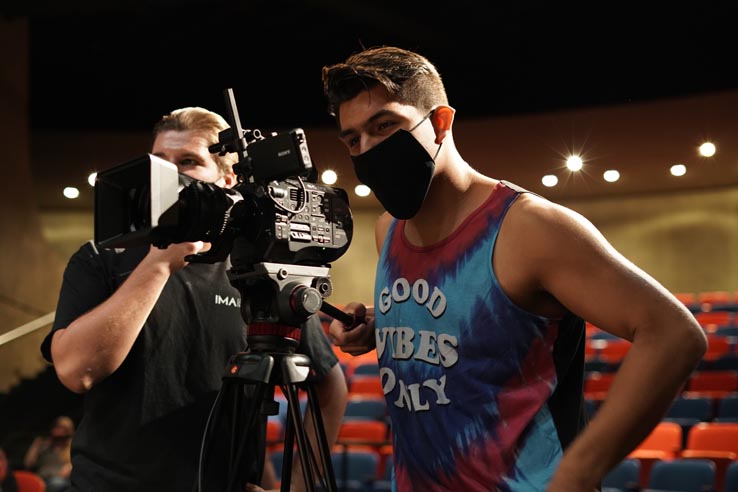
<point x="469" y="376"/>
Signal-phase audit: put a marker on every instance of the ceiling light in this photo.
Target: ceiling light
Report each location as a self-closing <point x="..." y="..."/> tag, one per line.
<point x="549" y="180"/>
<point x="707" y="149"/>
<point x="611" y="175"/>
<point x="362" y="190"/>
<point x="91" y="179"/>
<point x="329" y="177"/>
<point x="574" y="163"/>
<point x="71" y="192"/>
<point x="678" y="170"/>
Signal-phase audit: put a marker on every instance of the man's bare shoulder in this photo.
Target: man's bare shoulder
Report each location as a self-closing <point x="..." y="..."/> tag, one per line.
<point x="543" y="231"/>
<point x="534" y="211"/>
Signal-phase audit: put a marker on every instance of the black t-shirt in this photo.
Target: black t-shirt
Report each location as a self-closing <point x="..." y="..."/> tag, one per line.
<point x="142" y="426"/>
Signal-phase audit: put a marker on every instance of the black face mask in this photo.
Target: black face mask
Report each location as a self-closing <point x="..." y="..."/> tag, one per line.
<point x="399" y="171"/>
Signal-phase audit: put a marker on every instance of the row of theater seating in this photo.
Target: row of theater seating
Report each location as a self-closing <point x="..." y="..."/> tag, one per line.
<point x="709" y="300"/>
<point x="680" y="474"/>
<point x="361" y="471"/>
<point x="355" y="469"/>
<point x="708" y="384"/>
<point x="715" y="443"/>
<point x="691" y="426"/>
<point x="361" y="461"/>
<point x="714" y="381"/>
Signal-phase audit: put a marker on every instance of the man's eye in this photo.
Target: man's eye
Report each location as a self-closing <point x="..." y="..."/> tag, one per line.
<point x="188" y="162"/>
<point x="385" y="125"/>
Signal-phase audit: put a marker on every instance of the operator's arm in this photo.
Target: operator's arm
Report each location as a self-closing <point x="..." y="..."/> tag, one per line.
<point x="332" y="394"/>
<point x="547" y="256"/>
<point x="94" y="345"/>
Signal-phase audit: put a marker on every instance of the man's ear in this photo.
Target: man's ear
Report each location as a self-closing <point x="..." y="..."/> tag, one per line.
<point x="229" y="180"/>
<point x="443" y="119"/>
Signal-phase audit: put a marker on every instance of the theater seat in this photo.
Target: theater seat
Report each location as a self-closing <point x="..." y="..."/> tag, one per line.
<point x="716" y="442"/>
<point x="625" y="476"/>
<point x="685" y="475"/>
<point x="29" y="481"/>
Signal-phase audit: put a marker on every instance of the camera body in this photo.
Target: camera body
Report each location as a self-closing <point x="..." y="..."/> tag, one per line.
<point x="274" y="213"/>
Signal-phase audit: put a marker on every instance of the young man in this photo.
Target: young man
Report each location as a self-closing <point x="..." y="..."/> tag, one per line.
<point x="49" y="456"/>
<point x="480" y="293"/>
<point x="141" y="333"/>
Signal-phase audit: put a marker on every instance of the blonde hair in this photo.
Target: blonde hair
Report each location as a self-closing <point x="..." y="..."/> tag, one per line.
<point x="201" y="120"/>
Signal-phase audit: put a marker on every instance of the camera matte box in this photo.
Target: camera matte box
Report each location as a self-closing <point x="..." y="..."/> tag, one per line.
<point x="132" y="199"/>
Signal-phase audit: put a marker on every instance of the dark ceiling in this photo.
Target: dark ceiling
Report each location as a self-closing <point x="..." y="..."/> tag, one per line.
<point x="114" y="67"/>
<point x="119" y="65"/>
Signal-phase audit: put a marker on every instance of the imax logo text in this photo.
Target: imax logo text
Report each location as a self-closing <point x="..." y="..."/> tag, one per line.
<point x="227" y="300"/>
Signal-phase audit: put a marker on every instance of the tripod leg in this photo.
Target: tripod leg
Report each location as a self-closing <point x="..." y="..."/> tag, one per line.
<point x="311" y="468"/>
<point x="296" y="427"/>
<point x="209" y="431"/>
<point x="251" y="446"/>
<point x="233" y="427"/>
<point x="287" y="454"/>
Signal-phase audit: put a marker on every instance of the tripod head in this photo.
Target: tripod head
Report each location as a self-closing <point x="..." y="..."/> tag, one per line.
<point x="277" y="298"/>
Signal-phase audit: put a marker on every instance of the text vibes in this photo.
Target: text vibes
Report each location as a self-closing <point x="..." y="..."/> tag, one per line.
<point x="406" y="343"/>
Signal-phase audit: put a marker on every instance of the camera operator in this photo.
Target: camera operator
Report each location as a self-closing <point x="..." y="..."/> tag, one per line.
<point x="146" y="336"/>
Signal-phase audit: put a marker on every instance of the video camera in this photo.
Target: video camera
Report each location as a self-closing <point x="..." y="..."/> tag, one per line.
<point x="275" y="214"/>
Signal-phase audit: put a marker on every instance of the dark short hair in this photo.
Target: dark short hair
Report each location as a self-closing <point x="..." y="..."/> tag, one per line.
<point x="408" y="77"/>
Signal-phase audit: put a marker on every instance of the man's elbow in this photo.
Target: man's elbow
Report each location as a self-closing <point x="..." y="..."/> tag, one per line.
<point x="71" y="371"/>
<point x="694" y="342"/>
<point x="75" y="380"/>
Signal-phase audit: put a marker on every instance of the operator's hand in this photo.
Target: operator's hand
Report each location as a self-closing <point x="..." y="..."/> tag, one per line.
<point x="358" y="338"/>
<point x="173" y="256"/>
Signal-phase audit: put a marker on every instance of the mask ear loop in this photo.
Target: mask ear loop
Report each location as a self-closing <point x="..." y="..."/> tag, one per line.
<point x="421" y="121"/>
<point x="437" y="151"/>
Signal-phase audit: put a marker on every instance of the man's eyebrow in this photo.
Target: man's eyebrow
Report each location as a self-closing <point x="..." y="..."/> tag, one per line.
<point x="189" y="155"/>
<point x="379" y="114"/>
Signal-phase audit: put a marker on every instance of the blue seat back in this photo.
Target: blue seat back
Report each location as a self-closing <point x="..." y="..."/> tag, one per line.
<point x="623" y="477"/>
<point x="683" y="475"/>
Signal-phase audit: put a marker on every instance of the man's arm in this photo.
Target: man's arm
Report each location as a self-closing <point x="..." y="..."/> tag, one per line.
<point x="332" y="394"/>
<point x="94" y="345"/>
<point x="549" y="256"/>
<point x="30" y="460"/>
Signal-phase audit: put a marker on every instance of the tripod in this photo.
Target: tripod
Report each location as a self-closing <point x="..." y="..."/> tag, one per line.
<point x="275" y="300"/>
